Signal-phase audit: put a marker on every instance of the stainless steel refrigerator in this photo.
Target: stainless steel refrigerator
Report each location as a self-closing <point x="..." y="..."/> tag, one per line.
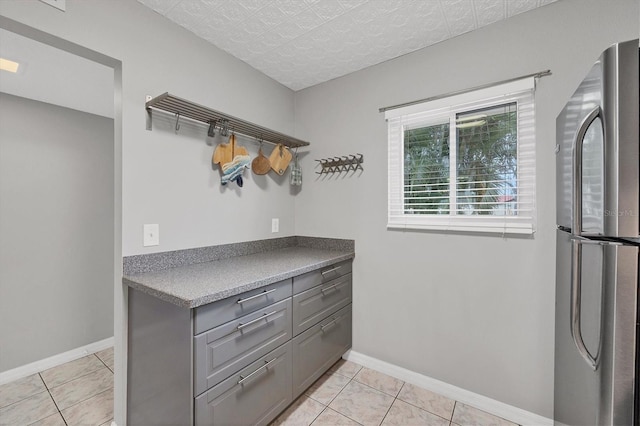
<point x="598" y="221"/>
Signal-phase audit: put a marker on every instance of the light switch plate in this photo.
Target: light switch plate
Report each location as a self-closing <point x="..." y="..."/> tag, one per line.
<point x="275" y="225"/>
<point x="151" y="235"/>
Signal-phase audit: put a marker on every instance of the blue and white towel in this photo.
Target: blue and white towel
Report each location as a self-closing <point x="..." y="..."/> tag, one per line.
<point x="232" y="171"/>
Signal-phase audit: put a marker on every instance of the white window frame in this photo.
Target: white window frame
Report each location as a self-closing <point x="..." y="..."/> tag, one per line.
<point x="441" y="110"/>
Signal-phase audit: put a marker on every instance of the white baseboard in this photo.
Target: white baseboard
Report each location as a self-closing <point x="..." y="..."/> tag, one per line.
<point x="53" y="361"/>
<point x="509" y="412"/>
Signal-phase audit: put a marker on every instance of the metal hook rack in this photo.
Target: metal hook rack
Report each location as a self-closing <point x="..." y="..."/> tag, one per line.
<point x="345" y="163"/>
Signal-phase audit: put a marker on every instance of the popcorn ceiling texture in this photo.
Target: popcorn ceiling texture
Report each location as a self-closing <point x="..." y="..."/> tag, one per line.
<point x="302" y="43"/>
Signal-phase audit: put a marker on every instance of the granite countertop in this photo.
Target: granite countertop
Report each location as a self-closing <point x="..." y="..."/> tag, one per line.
<point x="194" y="285"/>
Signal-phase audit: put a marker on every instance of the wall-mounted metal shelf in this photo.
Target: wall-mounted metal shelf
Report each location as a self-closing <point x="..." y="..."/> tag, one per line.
<point x="216" y="120"/>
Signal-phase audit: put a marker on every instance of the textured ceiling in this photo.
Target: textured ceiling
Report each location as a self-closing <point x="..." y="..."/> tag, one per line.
<point x="301" y="43"/>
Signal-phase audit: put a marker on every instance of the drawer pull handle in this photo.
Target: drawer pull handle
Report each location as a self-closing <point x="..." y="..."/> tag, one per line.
<point x="264" y="293"/>
<point x="331" y="270"/>
<point x="331" y="287"/>
<point x="263" y="317"/>
<point x="266" y="365"/>
<point x="329" y="324"/>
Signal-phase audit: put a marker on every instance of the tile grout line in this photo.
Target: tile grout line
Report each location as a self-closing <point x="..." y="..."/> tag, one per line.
<point x="455" y="404"/>
<point x="376" y="389"/>
<point x="406" y="402"/>
<point x="393" y="402"/>
<point x="350" y="380"/>
<point x="332" y="399"/>
<point x="52" y="398"/>
<point x="24" y="398"/>
<point x="76" y="377"/>
<point x="387" y="413"/>
<point x="104" y="363"/>
<point x="347" y="384"/>
<point x="424" y="409"/>
<point x="353" y="379"/>
<point x="322" y="411"/>
<point x="67" y="382"/>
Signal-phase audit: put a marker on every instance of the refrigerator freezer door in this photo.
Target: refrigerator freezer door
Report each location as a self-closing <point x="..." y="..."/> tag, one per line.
<point x="619" y="345"/>
<point x="598" y="148"/>
<point x="603" y="394"/>
<point x="586" y="99"/>
<point x="621" y="108"/>
<point x="577" y="385"/>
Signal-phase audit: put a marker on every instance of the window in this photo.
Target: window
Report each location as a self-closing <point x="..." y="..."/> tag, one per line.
<point x="465" y="162"/>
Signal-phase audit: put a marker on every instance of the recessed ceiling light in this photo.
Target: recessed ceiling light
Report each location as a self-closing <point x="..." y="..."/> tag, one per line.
<point x="7" y="65"/>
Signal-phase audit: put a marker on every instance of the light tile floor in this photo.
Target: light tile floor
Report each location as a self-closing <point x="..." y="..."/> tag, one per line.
<point x="352" y="395"/>
<point x="80" y="392"/>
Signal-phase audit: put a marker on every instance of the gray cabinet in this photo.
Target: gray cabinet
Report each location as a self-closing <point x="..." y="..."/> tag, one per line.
<point x="253" y="396"/>
<point x="240" y="360"/>
<point x="208" y="316"/>
<point x="318" y="348"/>
<point x="313" y="305"/>
<point x="320" y="276"/>
<point x="227" y="348"/>
<point x="321" y="322"/>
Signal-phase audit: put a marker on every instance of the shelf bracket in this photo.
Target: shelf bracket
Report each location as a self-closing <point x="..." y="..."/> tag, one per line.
<point x="149" y="113"/>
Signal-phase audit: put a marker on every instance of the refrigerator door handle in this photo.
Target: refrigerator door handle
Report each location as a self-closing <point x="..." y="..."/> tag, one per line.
<point x="576" y="299"/>
<point x="577" y="169"/>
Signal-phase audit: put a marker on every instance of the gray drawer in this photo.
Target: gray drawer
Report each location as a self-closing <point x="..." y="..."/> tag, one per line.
<point x="318" y="348"/>
<point x="220" y="352"/>
<point x="214" y="314"/>
<point x="320" y="276"/>
<point x="313" y="305"/>
<point x="253" y="396"/>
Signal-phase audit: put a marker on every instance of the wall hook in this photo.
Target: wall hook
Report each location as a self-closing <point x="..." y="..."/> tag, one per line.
<point x="345" y="163"/>
<point x="212" y="129"/>
<point x="224" y="128"/>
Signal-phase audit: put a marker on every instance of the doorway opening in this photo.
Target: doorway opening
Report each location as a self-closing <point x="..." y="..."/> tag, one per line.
<point x="61" y="296"/>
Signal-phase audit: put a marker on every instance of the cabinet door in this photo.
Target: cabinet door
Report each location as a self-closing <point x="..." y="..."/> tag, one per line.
<point x="253" y="396"/>
<point x="313" y="305"/>
<point x="226" y="349"/>
<point x="217" y="313"/>
<point x="320" y="276"/>
<point x="318" y="348"/>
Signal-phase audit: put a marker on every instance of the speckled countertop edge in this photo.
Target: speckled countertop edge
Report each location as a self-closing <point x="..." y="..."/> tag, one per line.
<point x="193" y="285"/>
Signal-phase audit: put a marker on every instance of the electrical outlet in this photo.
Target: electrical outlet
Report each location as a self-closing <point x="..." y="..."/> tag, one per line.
<point x="275" y="225"/>
<point x="151" y="235"/>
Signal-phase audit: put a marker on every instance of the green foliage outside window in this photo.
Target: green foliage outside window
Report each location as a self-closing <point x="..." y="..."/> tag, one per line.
<point x="485" y="169"/>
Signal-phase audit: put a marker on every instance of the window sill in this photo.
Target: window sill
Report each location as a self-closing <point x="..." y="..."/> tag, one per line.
<point x="484" y="227"/>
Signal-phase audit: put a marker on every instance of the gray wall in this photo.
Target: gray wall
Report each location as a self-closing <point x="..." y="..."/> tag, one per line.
<point x="56" y="228"/>
<point x="167" y="178"/>
<point x="487" y="327"/>
<point x="473" y="311"/>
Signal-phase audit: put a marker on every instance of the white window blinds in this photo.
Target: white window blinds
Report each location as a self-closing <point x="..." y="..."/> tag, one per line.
<point x="465" y="162"/>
